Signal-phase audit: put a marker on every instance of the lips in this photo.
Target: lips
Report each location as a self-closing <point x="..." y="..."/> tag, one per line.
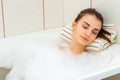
<point x="84" y="38"/>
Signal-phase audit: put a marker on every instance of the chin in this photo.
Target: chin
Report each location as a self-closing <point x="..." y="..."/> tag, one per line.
<point x="84" y="43"/>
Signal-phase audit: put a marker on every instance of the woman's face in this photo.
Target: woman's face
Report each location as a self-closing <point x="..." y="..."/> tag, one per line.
<point x="86" y="29"/>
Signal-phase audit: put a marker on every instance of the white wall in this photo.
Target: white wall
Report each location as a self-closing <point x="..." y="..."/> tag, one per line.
<point x="27" y="15"/>
<point x="110" y="11"/>
<point x="22" y="16"/>
<point x="53" y="13"/>
<point x="72" y="8"/>
<point x="1" y="26"/>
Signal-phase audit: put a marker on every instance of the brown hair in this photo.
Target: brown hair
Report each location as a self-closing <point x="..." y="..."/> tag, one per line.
<point x="93" y="11"/>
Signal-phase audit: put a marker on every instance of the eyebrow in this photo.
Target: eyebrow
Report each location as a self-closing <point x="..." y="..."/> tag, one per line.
<point x="86" y="23"/>
<point x="89" y="25"/>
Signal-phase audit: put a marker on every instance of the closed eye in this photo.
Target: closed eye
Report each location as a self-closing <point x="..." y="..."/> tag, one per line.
<point x="95" y="32"/>
<point x="85" y="27"/>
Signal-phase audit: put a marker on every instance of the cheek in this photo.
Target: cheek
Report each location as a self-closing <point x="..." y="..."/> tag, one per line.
<point x="79" y="30"/>
<point x="76" y="31"/>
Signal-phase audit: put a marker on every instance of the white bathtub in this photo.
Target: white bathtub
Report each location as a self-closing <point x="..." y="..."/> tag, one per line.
<point x="43" y="37"/>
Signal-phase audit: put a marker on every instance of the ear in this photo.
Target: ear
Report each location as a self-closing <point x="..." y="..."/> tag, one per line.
<point x="74" y="25"/>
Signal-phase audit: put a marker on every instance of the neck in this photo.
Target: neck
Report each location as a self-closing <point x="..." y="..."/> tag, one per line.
<point x="76" y="48"/>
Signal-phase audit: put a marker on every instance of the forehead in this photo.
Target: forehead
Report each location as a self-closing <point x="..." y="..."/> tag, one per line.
<point x="91" y="20"/>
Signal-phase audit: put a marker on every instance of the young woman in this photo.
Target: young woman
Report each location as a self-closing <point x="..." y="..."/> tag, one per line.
<point x="86" y="28"/>
<point x="52" y="63"/>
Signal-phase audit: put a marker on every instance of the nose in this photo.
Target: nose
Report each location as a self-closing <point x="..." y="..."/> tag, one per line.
<point x="88" y="33"/>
